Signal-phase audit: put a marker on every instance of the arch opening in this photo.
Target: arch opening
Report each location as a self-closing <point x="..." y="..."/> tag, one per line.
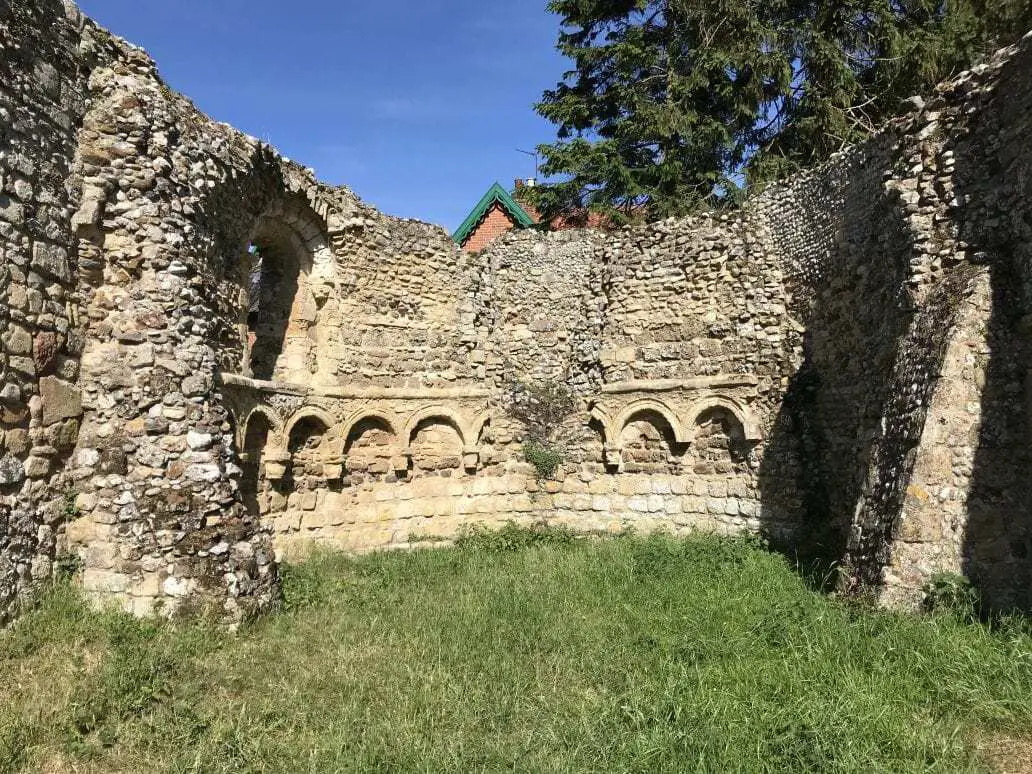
<point x="594" y="443"/>
<point x="721" y="445"/>
<point x="436" y="445"/>
<point x="307" y="445"/>
<point x="281" y="310"/>
<point x="369" y="446"/>
<point x="256" y="441"/>
<point x="649" y="443"/>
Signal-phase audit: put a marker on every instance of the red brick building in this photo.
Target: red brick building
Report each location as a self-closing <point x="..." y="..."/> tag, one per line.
<point x="495" y="214"/>
<point x="499" y="212"/>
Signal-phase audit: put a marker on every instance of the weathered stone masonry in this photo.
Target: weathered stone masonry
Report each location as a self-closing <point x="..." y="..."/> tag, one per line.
<point x="210" y="359"/>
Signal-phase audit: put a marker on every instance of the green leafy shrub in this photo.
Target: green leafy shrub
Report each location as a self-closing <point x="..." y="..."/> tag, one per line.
<point x="545" y="459"/>
<point x="542" y="408"/>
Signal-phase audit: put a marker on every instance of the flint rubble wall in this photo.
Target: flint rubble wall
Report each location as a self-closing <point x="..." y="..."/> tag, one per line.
<point x="210" y="359"/>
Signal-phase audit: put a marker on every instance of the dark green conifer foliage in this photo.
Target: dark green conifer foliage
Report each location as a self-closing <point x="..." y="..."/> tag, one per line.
<point x="674" y="105"/>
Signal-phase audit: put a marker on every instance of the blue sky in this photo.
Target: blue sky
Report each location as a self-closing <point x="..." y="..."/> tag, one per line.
<point x="417" y="105"/>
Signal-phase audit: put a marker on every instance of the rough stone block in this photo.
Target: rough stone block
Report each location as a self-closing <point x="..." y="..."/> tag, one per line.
<point x="12" y="471"/>
<point x="51" y="260"/>
<point x="61" y="400"/>
<point x="105" y="581"/>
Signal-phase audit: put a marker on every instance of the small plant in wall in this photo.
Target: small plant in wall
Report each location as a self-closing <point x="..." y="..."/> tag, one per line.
<point x="69" y="509"/>
<point x="542" y="407"/>
<point x="545" y="459"/>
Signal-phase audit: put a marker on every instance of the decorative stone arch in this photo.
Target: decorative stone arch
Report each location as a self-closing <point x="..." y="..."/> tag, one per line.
<point x="308" y="412"/>
<point x="363" y="452"/>
<point x="655" y="450"/>
<point x="275" y="423"/>
<point x="751" y="427"/>
<point x="476" y="427"/>
<point x="476" y="450"/>
<point x="258" y="440"/>
<point x="605" y="421"/>
<point x="450" y="416"/>
<point x="328" y="458"/>
<point x="389" y="418"/>
<point x="644" y="406"/>
<point x="469" y="457"/>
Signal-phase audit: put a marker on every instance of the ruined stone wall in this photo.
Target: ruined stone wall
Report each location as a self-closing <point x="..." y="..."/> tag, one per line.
<point x="407" y="466"/>
<point x="209" y="357"/>
<point x="45" y="58"/>
<point x="846" y="250"/>
<point x="539" y="301"/>
<point x="404" y="313"/>
<point x="157" y="518"/>
<point x="904" y="256"/>
<point x="967" y="507"/>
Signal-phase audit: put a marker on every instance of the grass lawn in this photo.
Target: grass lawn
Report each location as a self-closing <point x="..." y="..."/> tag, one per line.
<point x="527" y="652"/>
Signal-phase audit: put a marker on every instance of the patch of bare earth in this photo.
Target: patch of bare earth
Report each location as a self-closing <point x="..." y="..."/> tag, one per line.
<point x="1007" y="754"/>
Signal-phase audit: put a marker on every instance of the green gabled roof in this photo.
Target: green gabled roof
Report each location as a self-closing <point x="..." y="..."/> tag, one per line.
<point x="494" y="194"/>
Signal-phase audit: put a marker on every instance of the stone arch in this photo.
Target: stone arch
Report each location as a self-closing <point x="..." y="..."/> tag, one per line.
<point x="275" y="424"/>
<point x="443" y="415"/>
<point x="593" y="442"/>
<point x="478" y="426"/>
<point x="299" y="213"/>
<point x="648" y="439"/>
<point x="601" y="425"/>
<point x="604" y="420"/>
<point x="480" y="445"/>
<point x="258" y="435"/>
<point x="720" y="443"/>
<point x="386" y="417"/>
<point x="644" y="406"/>
<point x="436" y="439"/>
<point x="751" y="429"/>
<point x="308" y="413"/>
<point x="281" y="307"/>
<point x="309" y="446"/>
<point x="370" y="442"/>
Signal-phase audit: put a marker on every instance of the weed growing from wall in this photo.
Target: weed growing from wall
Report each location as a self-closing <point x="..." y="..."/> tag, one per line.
<point x="542" y="408"/>
<point x="545" y="459"/>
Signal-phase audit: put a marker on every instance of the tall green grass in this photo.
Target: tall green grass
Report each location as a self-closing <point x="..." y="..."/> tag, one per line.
<point x="517" y="652"/>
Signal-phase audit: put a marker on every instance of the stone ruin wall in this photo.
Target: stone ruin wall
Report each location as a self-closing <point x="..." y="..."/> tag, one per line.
<point x="42" y="102"/>
<point x="672" y="382"/>
<point x="910" y="409"/>
<point x="843" y="363"/>
<point x="967" y="507"/>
